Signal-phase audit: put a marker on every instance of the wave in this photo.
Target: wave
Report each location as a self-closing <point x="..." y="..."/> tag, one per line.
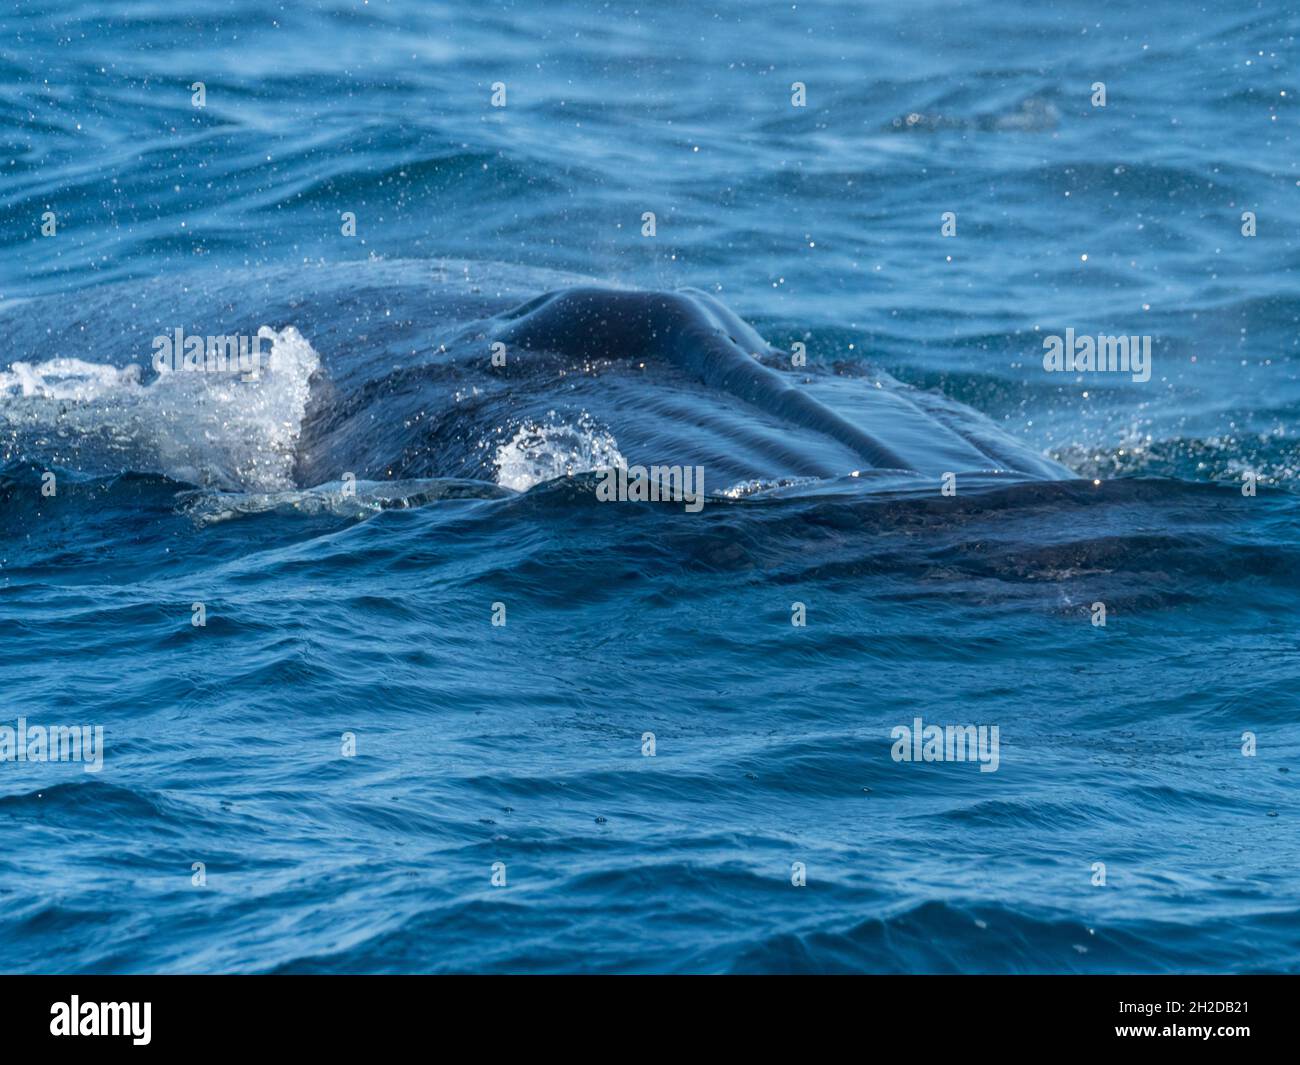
<point x="949" y="937"/>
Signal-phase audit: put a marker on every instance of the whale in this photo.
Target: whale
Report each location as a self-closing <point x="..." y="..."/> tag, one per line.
<point x="665" y="376"/>
<point x="511" y="376"/>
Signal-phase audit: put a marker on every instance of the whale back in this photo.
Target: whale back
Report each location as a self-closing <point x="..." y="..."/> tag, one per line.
<point x="475" y="371"/>
<point x="842" y="424"/>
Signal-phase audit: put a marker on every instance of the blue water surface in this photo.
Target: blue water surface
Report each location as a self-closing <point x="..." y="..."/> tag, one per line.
<point x="348" y="767"/>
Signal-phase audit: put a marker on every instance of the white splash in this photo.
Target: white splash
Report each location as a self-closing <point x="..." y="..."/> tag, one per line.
<point x="544" y="451"/>
<point x="212" y="429"/>
<point x="71" y="379"/>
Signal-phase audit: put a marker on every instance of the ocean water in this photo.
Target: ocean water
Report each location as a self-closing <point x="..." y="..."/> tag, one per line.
<point x="384" y="685"/>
